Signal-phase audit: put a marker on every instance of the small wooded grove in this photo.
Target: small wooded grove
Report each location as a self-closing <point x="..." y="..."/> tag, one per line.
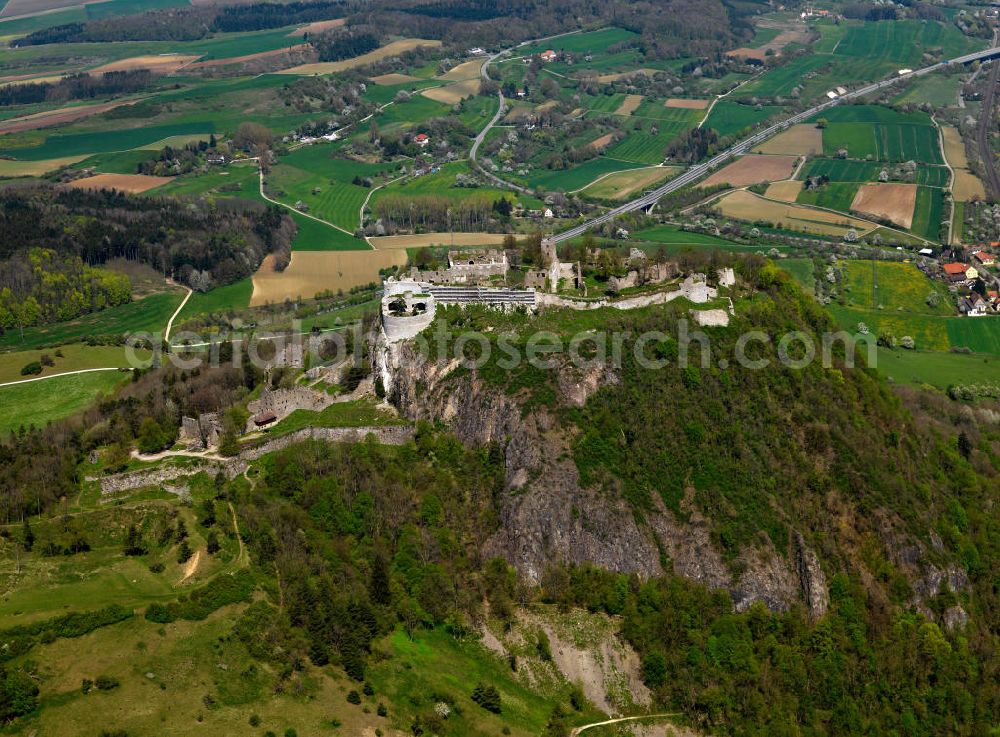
<point x="42" y="286"/>
<point x="440" y="213"/>
<point x="199" y="243"/>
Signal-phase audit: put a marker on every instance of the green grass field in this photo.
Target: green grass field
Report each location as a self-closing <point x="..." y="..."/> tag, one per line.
<point x="980" y="335"/>
<point x="593" y="42"/>
<point x="835" y="195"/>
<point x="902" y="41"/>
<point x="929" y="333"/>
<point x="928" y="212"/>
<point x="230" y="297"/>
<point x="149" y="314"/>
<point x="937" y="369"/>
<point x="578" y="177"/>
<point x="939" y="90"/>
<point x="75" y="357"/>
<point x="900" y="287"/>
<point x="40" y="402"/>
<point x="884" y="141"/>
<point x="729" y="118"/>
<point x="803" y="270"/>
<point x="327" y="198"/>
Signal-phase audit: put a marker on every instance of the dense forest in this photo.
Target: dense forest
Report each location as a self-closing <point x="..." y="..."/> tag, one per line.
<point x="201" y="245"/>
<point x="42" y="286"/>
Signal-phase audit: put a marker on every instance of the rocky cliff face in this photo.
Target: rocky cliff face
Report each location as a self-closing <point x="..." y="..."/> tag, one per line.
<point x="547" y="516"/>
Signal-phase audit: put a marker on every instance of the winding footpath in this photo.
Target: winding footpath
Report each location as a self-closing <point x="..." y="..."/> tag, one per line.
<point x="579" y="730"/>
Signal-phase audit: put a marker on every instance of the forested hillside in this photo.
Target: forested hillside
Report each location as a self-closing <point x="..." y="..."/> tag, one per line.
<point x="201" y="244"/>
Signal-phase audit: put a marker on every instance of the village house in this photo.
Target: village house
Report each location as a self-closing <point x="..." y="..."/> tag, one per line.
<point x="547" y="56"/>
<point x="986" y="259"/>
<point x="973" y="306"/>
<point x="421" y="139"/>
<point x="958" y="273"/>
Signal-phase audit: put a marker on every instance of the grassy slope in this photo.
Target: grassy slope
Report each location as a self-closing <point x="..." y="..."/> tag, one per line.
<point x="39" y="402"/>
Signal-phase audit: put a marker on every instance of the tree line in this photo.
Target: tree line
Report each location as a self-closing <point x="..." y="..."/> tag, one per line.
<point x="437" y="213"/>
<point x="77" y="87"/>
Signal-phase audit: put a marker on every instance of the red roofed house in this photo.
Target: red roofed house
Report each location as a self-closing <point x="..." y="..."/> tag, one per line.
<point x="547" y="56"/>
<point x="986" y="259"/>
<point x="421" y="139"/>
<point x="960" y="273"/>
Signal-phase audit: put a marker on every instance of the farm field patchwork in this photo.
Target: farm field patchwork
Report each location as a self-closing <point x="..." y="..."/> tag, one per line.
<point x="786" y="191"/>
<point x="394" y="48"/>
<point x="834" y="195"/>
<point x="629" y="105"/>
<point x="744" y="205"/>
<point x="753" y="169"/>
<point x="901" y="287"/>
<point x="14" y="168"/>
<point x="579" y="176"/>
<point x="424" y="240"/>
<point x="928" y="213"/>
<point x="452" y="94"/>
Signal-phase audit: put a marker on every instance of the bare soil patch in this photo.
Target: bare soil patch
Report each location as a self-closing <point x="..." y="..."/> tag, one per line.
<point x="601" y="143"/>
<point x="802" y="139"/>
<point x="130" y="183"/>
<point x="453" y="93"/>
<point x="318" y="27"/>
<point x="954" y="147"/>
<point x="58" y="117"/>
<point x="311" y="272"/>
<point x="390" y="242"/>
<point x="687" y="104"/>
<point x="967" y="186"/>
<point x="752" y="169"/>
<point x="893" y="202"/>
<point x="160" y="63"/>
<point x="629" y="105"/>
<point x="247" y="57"/>
<point x="795" y="33"/>
<point x="466" y="70"/>
<point x="388" y="80"/>
<point x="786" y="191"/>
<point x="744" y="205"/>
<point x="391" y="49"/>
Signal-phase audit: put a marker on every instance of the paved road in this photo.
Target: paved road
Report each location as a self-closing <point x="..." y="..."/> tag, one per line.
<point x="699" y="170"/>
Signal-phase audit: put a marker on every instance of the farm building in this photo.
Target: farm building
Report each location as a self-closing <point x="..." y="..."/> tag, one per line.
<point x="548" y="56"/>
<point x="958" y="273"/>
<point x="986" y="259"/>
<point x="421" y="139"/>
<point x="973" y="306"/>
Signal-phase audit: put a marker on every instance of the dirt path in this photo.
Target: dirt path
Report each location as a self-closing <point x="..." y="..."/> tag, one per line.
<point x="170" y="322"/>
<point x="986" y="128"/>
<point x="64" y="373"/>
<point x="191" y="566"/>
<point x="577" y="730"/>
<point x="242" y="559"/>
<point x="951" y="180"/>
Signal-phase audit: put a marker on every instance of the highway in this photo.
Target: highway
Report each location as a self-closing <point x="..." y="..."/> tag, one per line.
<point x="700" y="170"/>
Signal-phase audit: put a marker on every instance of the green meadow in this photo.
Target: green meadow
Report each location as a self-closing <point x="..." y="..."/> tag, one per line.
<point x="39" y="402"/>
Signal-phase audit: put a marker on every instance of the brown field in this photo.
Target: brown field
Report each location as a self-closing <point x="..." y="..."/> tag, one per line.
<point x="9" y="168"/>
<point x="752" y="169"/>
<point x="967" y="186"/>
<point x="687" y="104"/>
<point x="629" y="105"/>
<point x="465" y="70"/>
<point x="797" y="34"/>
<point x="318" y="26"/>
<point x="744" y="205"/>
<point x="130" y="183"/>
<point x="452" y="94"/>
<point x="160" y="63"/>
<point x="32" y="76"/>
<point x="893" y="202"/>
<point x="248" y="57"/>
<point x="311" y="272"/>
<point x="785" y="191"/>
<point x="394" y="78"/>
<point x="606" y="78"/>
<point x="623" y="184"/>
<point x="954" y="148"/>
<point x="58" y="117"/>
<point x="178" y="141"/>
<point x="332" y="67"/>
<point x="33" y="80"/>
<point x="602" y="142"/>
<point x="516" y="111"/>
<point x="22" y="8"/>
<point x="546" y="106"/>
<point x="800" y="140"/>
<point x="395" y="242"/>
